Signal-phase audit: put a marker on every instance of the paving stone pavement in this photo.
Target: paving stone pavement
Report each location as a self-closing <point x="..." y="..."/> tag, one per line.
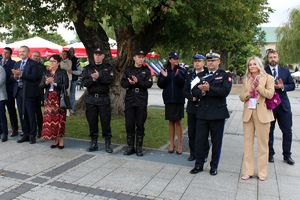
<point x="31" y="172"/>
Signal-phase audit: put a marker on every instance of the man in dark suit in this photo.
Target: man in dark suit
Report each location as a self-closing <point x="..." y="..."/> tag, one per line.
<point x="211" y="113"/>
<point x="36" y="56"/>
<point x="8" y="65"/>
<point x="283" y="114"/>
<point x="28" y="77"/>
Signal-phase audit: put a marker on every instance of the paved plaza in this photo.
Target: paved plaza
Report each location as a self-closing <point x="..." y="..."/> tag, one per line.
<point x="31" y="172"/>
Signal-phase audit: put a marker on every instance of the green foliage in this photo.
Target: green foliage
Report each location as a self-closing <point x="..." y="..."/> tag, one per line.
<point x="289" y="39"/>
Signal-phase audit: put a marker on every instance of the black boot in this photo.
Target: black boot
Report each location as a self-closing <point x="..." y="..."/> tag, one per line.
<point x="94" y="144"/>
<point x="4" y="137"/>
<point x="32" y="139"/>
<point x="130" y="148"/>
<point x="108" y="148"/>
<point x="139" y="145"/>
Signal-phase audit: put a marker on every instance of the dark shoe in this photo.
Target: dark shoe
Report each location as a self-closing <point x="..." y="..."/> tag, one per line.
<point x="14" y="133"/>
<point x="61" y="147"/>
<point x="93" y="145"/>
<point x="129" y="151"/>
<point x="32" y="140"/>
<point x="23" y="139"/>
<point x="39" y="135"/>
<point x="191" y="158"/>
<point x="4" y="138"/>
<point x="289" y="160"/>
<point x="213" y="172"/>
<point x="139" y="145"/>
<point x="171" y="150"/>
<point x="53" y="146"/>
<point x="108" y="148"/>
<point x="196" y="169"/>
<point x="178" y="153"/>
<point x="271" y="158"/>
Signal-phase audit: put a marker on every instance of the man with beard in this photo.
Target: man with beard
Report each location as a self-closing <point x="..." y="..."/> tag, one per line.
<point x="283" y="114"/>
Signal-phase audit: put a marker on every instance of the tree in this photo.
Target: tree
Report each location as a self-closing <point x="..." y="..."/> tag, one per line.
<point x="185" y="25"/>
<point x="289" y="39"/>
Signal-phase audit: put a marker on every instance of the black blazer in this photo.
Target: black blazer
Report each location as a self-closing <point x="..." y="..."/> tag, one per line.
<point x="60" y="78"/>
<point x="31" y="78"/>
<point x="212" y="105"/>
<point x="10" y="81"/>
<point x="289" y="85"/>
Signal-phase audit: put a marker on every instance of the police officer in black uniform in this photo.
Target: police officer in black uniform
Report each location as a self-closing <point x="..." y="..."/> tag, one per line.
<point x="212" y="112"/>
<point x="136" y="80"/>
<point x="96" y="78"/>
<point x="193" y="102"/>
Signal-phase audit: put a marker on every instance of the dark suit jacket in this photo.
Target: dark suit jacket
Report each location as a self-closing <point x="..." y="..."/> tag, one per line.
<point x="212" y="105"/>
<point x="10" y="81"/>
<point x="289" y="85"/>
<point x="31" y="78"/>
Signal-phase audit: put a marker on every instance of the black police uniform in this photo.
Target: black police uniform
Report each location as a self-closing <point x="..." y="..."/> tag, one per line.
<point x="98" y="103"/>
<point x="136" y="101"/>
<point x="191" y="109"/>
<point x="211" y="114"/>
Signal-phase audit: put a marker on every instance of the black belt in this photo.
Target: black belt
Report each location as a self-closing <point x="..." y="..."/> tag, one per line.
<point x="97" y="95"/>
<point x="137" y="90"/>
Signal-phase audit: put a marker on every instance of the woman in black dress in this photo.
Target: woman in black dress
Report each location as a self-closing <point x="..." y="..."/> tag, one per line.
<point x="171" y="80"/>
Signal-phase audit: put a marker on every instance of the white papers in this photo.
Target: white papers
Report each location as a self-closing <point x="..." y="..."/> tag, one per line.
<point x="195" y="81"/>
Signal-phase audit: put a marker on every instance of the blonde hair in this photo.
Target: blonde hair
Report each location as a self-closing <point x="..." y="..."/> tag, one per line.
<point x="259" y="64"/>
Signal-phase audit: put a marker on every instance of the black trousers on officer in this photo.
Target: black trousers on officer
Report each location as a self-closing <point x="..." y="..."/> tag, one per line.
<point x="135" y="118"/>
<point x="192" y="121"/>
<point x="93" y="112"/>
<point x="215" y="128"/>
<point x="284" y="119"/>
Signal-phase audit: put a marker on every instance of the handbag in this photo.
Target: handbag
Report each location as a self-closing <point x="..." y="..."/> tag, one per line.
<point x="273" y="102"/>
<point x="64" y="99"/>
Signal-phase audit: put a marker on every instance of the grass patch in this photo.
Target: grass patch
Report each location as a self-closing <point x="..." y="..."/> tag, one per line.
<point x="156" y="128"/>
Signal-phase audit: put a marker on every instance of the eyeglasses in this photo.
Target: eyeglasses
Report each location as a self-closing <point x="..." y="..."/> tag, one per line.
<point x="53" y="61"/>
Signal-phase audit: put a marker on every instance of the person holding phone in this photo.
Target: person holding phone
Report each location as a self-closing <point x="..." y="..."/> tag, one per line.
<point x="258" y="86"/>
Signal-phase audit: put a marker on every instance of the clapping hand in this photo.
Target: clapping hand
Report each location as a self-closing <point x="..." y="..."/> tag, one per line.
<point x="49" y="80"/>
<point x="130" y="81"/>
<point x="164" y="72"/>
<point x="134" y="78"/>
<point x="95" y="75"/>
<point x="16" y="72"/>
<point x="279" y="84"/>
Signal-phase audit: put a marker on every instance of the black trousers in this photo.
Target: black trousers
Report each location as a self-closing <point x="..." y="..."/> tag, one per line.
<point x="284" y="120"/>
<point x="93" y="112"/>
<point x="216" y="129"/>
<point x="135" y="118"/>
<point x="12" y="112"/>
<point x="192" y="121"/>
<point x="3" y="120"/>
<point x="27" y="114"/>
<point x="39" y="115"/>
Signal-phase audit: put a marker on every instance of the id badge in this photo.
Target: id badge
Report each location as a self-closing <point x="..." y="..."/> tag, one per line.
<point x="252" y="103"/>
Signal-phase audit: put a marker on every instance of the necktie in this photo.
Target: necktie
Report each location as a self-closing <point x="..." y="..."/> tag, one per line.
<point x="274" y="72"/>
<point x="22" y="65"/>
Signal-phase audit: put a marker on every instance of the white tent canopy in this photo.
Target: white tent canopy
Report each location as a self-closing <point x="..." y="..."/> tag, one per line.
<point x="2" y="45"/>
<point x="45" y="47"/>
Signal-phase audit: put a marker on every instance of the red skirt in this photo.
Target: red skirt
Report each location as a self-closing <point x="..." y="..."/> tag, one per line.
<point x="54" y="121"/>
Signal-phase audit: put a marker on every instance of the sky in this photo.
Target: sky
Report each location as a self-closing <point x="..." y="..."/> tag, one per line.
<point x="280" y="16"/>
<point x="281" y="12"/>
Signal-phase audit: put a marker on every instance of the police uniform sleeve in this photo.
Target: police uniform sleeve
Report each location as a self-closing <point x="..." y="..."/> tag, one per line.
<point x="145" y="81"/>
<point x="221" y="91"/>
<point x="87" y="80"/>
<point x="187" y="88"/>
<point x="124" y="81"/>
